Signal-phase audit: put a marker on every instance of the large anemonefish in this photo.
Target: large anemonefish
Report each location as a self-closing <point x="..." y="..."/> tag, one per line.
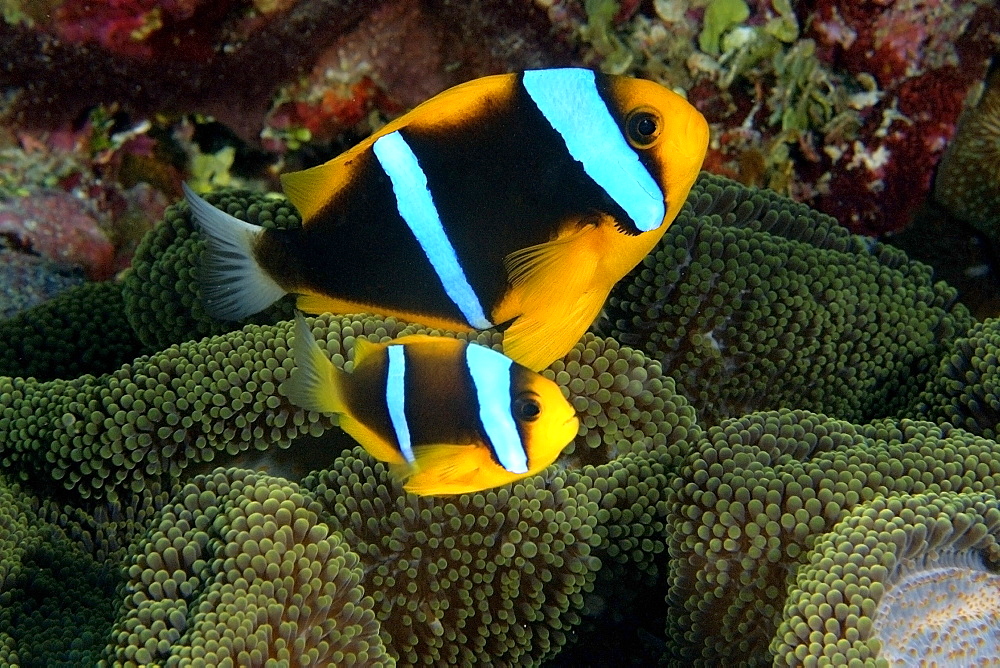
<point x="517" y="199"/>
<point x="448" y="416"/>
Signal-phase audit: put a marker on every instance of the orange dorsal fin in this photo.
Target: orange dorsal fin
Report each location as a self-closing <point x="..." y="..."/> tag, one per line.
<point x="311" y="189"/>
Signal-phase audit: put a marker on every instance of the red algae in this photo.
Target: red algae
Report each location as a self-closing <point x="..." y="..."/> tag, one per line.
<point x="214" y="58"/>
<point x="884" y="176"/>
<point x="143" y="29"/>
<point x="60" y="227"/>
<point x="233" y="81"/>
<point x="891" y="39"/>
<point x="925" y="55"/>
<point x="842" y="104"/>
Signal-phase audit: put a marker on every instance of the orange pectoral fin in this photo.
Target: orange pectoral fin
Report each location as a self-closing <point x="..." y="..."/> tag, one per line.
<point x="535" y="339"/>
<point x="553" y="274"/>
<point x="551" y="296"/>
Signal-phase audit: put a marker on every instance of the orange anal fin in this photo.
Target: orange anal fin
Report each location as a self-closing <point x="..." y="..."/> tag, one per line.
<point x="376" y="445"/>
<point x="311" y="302"/>
<point x="455" y="469"/>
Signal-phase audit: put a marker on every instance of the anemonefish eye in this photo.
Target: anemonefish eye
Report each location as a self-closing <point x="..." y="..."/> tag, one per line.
<point x="642" y="127"/>
<point x="527" y="409"/>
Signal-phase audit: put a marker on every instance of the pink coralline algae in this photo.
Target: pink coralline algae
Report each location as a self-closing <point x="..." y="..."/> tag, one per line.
<point x="146" y="28"/>
<point x="925" y="55"/>
<point x="60" y="227"/>
<point x="891" y="39"/>
<point x="884" y="176"/>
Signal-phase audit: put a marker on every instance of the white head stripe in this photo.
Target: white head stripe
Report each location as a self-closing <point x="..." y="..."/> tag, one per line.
<point x="569" y="100"/>
<point x="395" y="399"/>
<point x="491" y="375"/>
<point x="416" y="206"/>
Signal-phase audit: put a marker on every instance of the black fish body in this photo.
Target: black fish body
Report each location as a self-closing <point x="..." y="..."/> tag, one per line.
<point x="449" y="417"/>
<point x="489" y="205"/>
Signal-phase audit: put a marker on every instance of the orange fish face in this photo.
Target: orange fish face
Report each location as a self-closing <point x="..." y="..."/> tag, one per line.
<point x="546" y="420"/>
<point x="667" y="131"/>
<point x="541" y="424"/>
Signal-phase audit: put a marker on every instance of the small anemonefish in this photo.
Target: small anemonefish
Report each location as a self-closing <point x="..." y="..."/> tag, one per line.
<point x="448" y="416"/>
<point x="517" y="200"/>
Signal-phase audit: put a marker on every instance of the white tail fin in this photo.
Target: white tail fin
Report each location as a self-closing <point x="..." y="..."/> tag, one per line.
<point x="233" y="285"/>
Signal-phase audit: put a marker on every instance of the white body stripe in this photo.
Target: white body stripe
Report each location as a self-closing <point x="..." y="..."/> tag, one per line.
<point x="395" y="399"/>
<point x="491" y="375"/>
<point x="569" y="100"/>
<point x="416" y="206"/>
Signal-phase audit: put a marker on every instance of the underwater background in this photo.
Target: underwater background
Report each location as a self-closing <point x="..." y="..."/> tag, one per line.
<point x="789" y="410"/>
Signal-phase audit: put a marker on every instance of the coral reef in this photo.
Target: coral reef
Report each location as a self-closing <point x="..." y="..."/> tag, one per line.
<point x="69" y="197"/>
<point x="233" y="83"/>
<point x="753" y="498"/>
<point x="232" y="66"/>
<point x="145" y="30"/>
<point x="681" y="522"/>
<point x="846" y="106"/>
<point x="906" y="579"/>
<point x="957" y="231"/>
<point x="892" y="40"/>
<point x="751" y="301"/>
<point x="788" y="432"/>
<point x="966" y="184"/>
